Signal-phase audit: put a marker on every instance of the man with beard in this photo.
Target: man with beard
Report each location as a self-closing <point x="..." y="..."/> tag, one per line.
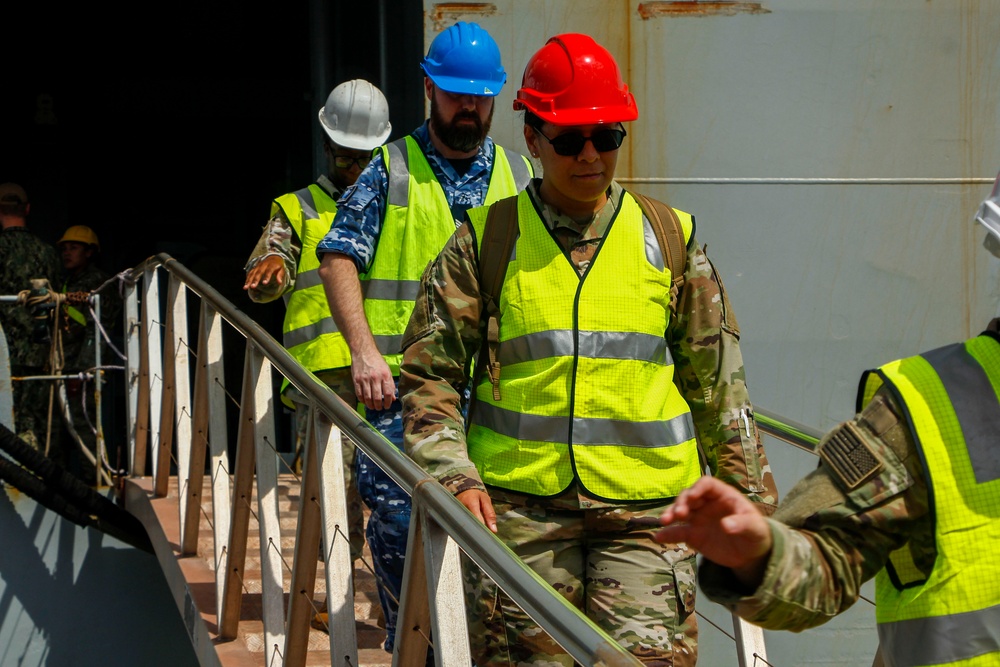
<point x="389" y="225"/>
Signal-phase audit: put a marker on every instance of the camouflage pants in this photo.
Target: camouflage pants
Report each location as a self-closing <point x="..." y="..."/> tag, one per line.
<point x="389" y="523"/>
<point x="605" y="562"/>
<point x="31" y="410"/>
<point x="355" y="515"/>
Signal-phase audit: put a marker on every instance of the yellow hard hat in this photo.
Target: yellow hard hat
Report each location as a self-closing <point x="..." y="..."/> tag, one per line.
<point x="80" y="234"/>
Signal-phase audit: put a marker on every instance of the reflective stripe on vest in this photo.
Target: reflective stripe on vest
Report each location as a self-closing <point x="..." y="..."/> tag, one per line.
<point x="418" y="222"/>
<point x="586" y="386"/>
<point x="951" y="405"/>
<point x="309" y="332"/>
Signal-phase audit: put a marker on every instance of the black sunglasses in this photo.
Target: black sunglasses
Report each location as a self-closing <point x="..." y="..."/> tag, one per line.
<point x="345" y="161"/>
<point x="572" y="143"/>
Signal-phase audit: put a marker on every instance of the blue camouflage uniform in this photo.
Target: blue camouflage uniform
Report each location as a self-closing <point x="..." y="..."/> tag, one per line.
<point x="355" y="232"/>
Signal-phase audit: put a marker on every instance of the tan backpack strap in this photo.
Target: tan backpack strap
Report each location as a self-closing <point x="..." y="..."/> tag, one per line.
<point x="499" y="236"/>
<point x="670" y="236"/>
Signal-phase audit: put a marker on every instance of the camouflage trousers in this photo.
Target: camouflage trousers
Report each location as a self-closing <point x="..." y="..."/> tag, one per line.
<point x="355" y="515"/>
<point x="389" y="524"/>
<point x="31" y="410"/>
<point x="604" y="562"/>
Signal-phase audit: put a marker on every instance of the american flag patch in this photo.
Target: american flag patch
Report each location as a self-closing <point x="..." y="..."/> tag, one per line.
<point x="848" y="455"/>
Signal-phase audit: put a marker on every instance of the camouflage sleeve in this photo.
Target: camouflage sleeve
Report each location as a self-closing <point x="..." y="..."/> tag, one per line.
<point x="704" y="339"/>
<point x="278" y="238"/>
<point x="360" y="211"/>
<point x="440" y="342"/>
<point x="832" y="532"/>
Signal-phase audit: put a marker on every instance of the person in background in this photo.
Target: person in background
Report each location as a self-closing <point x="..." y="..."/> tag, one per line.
<point x="388" y="227"/>
<point x="355" y="121"/>
<point x="907" y="492"/>
<point x="23" y="257"/>
<point x="79" y="249"/>
<point x="603" y="382"/>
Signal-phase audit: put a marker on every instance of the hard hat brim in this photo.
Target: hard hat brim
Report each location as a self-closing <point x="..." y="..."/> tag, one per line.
<point x="569" y="117"/>
<point x="988" y="216"/>
<point x="459" y="86"/>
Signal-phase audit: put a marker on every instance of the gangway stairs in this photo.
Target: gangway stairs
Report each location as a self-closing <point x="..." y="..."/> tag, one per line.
<point x="239" y="536"/>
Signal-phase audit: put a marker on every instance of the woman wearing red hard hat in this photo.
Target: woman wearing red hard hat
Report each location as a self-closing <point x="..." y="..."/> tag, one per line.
<point x="608" y="376"/>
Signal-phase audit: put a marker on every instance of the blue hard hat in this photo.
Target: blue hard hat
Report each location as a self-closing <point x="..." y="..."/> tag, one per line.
<point x="465" y="60"/>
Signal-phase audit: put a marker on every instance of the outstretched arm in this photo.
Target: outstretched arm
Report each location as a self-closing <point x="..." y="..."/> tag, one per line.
<point x="716" y="519"/>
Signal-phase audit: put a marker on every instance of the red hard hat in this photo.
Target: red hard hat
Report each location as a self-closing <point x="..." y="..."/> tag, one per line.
<point x="573" y="80"/>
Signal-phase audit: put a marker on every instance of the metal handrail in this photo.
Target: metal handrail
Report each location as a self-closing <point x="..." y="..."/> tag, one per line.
<point x="431" y="594"/>
<point x="799" y="435"/>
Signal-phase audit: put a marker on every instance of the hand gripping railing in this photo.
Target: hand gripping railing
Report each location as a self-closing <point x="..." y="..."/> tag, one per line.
<point x="192" y="432"/>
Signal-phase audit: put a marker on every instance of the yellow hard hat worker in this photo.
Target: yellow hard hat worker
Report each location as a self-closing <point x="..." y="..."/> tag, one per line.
<point x="80" y="234"/>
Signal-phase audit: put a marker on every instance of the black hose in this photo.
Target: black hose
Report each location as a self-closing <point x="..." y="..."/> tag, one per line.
<point x="61" y="492"/>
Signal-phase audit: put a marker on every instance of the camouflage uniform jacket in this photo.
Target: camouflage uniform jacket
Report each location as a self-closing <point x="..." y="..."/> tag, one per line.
<point x="444" y="335"/>
<point x="78" y="340"/>
<point x="828" y="540"/>
<point x="279" y="238"/>
<point x="24" y="256"/>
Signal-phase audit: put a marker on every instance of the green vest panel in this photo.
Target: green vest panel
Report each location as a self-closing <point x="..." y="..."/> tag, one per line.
<point x="418" y="222"/>
<point x="586" y="387"/>
<point x="309" y="332"/>
<point x="951" y="405"/>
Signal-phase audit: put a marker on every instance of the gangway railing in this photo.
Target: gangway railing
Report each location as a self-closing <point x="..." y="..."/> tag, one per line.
<point x="99" y="457"/>
<point x="176" y="427"/>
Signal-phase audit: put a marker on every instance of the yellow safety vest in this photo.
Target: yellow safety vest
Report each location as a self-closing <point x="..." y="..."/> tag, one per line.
<point x="309" y="332"/>
<point x="586" y="388"/>
<point x="418" y="222"/>
<point x="950" y="399"/>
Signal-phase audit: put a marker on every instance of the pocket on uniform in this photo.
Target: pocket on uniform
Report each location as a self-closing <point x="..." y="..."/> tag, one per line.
<point x="685" y="585"/>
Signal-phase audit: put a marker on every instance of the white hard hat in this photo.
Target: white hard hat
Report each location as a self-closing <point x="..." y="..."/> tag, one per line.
<point x="356" y="116"/>
<point x="989" y="216"/>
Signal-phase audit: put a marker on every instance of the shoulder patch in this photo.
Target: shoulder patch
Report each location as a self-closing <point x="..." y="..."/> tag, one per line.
<point x="849" y="456"/>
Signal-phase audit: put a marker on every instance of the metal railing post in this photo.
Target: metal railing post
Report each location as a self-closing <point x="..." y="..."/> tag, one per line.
<point x="750" y="649"/>
<point x="100" y="449"/>
<point x="307" y="547"/>
<point x="433" y="591"/>
<point x="180" y="376"/>
<point x="272" y="594"/>
<point x="166" y="402"/>
<point x="337" y="547"/>
<point x="139" y="400"/>
<point x="154" y="356"/>
<point x="6" y="385"/>
<point x="239" y="523"/>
